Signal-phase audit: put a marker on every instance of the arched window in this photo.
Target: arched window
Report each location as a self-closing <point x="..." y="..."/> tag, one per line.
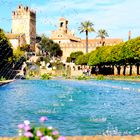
<point x="61" y="24"/>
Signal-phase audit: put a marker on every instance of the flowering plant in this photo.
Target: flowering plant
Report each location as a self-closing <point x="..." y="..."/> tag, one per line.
<point x="26" y="132"/>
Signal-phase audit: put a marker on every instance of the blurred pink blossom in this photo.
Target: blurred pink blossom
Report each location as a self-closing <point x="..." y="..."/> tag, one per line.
<point x="28" y="134"/>
<point x="43" y="119"/>
<point x="21" y="126"/>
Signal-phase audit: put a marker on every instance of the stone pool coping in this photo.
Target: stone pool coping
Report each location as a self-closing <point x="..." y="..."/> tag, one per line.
<point x="89" y="138"/>
<point x="5" y="82"/>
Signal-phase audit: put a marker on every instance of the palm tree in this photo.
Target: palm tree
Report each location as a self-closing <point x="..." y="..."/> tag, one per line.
<point x="86" y="27"/>
<point x="102" y="33"/>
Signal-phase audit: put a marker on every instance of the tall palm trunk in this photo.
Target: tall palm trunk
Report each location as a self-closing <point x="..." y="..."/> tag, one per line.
<point x="102" y="41"/>
<point x="86" y="41"/>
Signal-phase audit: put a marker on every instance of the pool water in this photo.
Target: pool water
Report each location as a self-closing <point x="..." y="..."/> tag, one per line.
<point x="74" y="107"/>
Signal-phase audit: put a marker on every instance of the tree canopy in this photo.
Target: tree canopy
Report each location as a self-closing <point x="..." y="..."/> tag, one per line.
<point x="82" y="59"/>
<point x="50" y="47"/>
<point x="75" y="55"/>
<point x="102" y="33"/>
<point x="6" y="51"/>
<point x="126" y="53"/>
<point x="86" y="27"/>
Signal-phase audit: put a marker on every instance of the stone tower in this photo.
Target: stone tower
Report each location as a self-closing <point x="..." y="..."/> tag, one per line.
<point x="63" y="25"/>
<point x="24" y="22"/>
<point x="129" y="35"/>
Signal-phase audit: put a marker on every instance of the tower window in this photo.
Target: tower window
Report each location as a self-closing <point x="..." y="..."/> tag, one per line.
<point x="27" y="8"/>
<point x="59" y="35"/>
<point x="61" y="24"/>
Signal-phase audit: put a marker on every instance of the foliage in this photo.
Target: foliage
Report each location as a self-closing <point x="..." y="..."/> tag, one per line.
<point x="82" y="77"/>
<point x="123" y="54"/>
<point x="75" y="55"/>
<point x="86" y="27"/>
<point x="6" y="51"/>
<point x="100" y="77"/>
<point x="46" y="59"/>
<point x="2" y="78"/>
<point x="68" y="59"/>
<point x="17" y="54"/>
<point x="102" y="33"/>
<point x="18" y="58"/>
<point x="49" y="47"/>
<point x="6" y="54"/>
<point x="9" y="59"/>
<point x="45" y="77"/>
<point x="27" y="132"/>
<point x="82" y="59"/>
<point x="64" y="75"/>
<point x="58" y="65"/>
<point x="126" y="53"/>
<point x="25" y="48"/>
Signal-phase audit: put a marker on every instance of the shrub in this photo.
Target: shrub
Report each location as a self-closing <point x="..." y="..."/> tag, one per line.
<point x="27" y="132"/>
<point x="68" y="60"/>
<point x="100" y="77"/>
<point x="45" y="77"/>
<point x="82" y="77"/>
<point x="2" y="79"/>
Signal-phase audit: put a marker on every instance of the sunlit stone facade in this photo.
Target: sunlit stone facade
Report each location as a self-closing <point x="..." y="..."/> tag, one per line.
<point x="70" y="43"/>
<point x="24" y="22"/>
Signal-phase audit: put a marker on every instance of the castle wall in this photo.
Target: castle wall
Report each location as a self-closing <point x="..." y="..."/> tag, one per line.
<point x="32" y="28"/>
<point x="24" y="22"/>
<point x="62" y="41"/>
<point x="16" y="39"/>
<point x="14" y="42"/>
<point x="68" y="48"/>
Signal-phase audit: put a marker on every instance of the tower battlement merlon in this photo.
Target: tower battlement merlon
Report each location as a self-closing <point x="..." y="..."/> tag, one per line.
<point x="23" y="10"/>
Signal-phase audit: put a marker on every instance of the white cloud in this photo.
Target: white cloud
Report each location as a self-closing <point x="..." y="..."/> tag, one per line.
<point x="116" y="16"/>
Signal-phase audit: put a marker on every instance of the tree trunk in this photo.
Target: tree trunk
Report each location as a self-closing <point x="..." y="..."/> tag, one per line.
<point x="102" y="41"/>
<point x="124" y="69"/>
<point x="130" y="70"/>
<point x="138" y="69"/>
<point x="86" y="41"/>
<point x="118" y="70"/>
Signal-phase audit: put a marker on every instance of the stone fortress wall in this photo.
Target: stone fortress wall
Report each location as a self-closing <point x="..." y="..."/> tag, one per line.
<point x="68" y="48"/>
<point x="24" y="22"/>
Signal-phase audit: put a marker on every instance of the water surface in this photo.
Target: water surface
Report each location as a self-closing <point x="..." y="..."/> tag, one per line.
<point x="75" y="107"/>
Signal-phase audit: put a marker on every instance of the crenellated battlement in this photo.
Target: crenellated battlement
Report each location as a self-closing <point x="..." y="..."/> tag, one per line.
<point x="23" y="11"/>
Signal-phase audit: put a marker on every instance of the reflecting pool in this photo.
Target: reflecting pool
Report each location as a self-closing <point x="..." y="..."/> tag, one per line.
<point x="74" y="107"/>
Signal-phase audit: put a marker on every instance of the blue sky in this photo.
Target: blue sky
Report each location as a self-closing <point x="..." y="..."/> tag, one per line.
<point x="116" y="16"/>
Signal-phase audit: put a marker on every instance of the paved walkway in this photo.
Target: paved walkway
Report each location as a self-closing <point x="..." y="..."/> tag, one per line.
<point x="92" y="138"/>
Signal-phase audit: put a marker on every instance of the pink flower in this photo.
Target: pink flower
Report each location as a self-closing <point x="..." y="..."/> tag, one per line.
<point x="28" y="134"/>
<point x="39" y="134"/>
<point x="43" y="119"/>
<point x="27" y="128"/>
<point x="61" y="138"/>
<point x="55" y="132"/>
<point x="20" y="126"/>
